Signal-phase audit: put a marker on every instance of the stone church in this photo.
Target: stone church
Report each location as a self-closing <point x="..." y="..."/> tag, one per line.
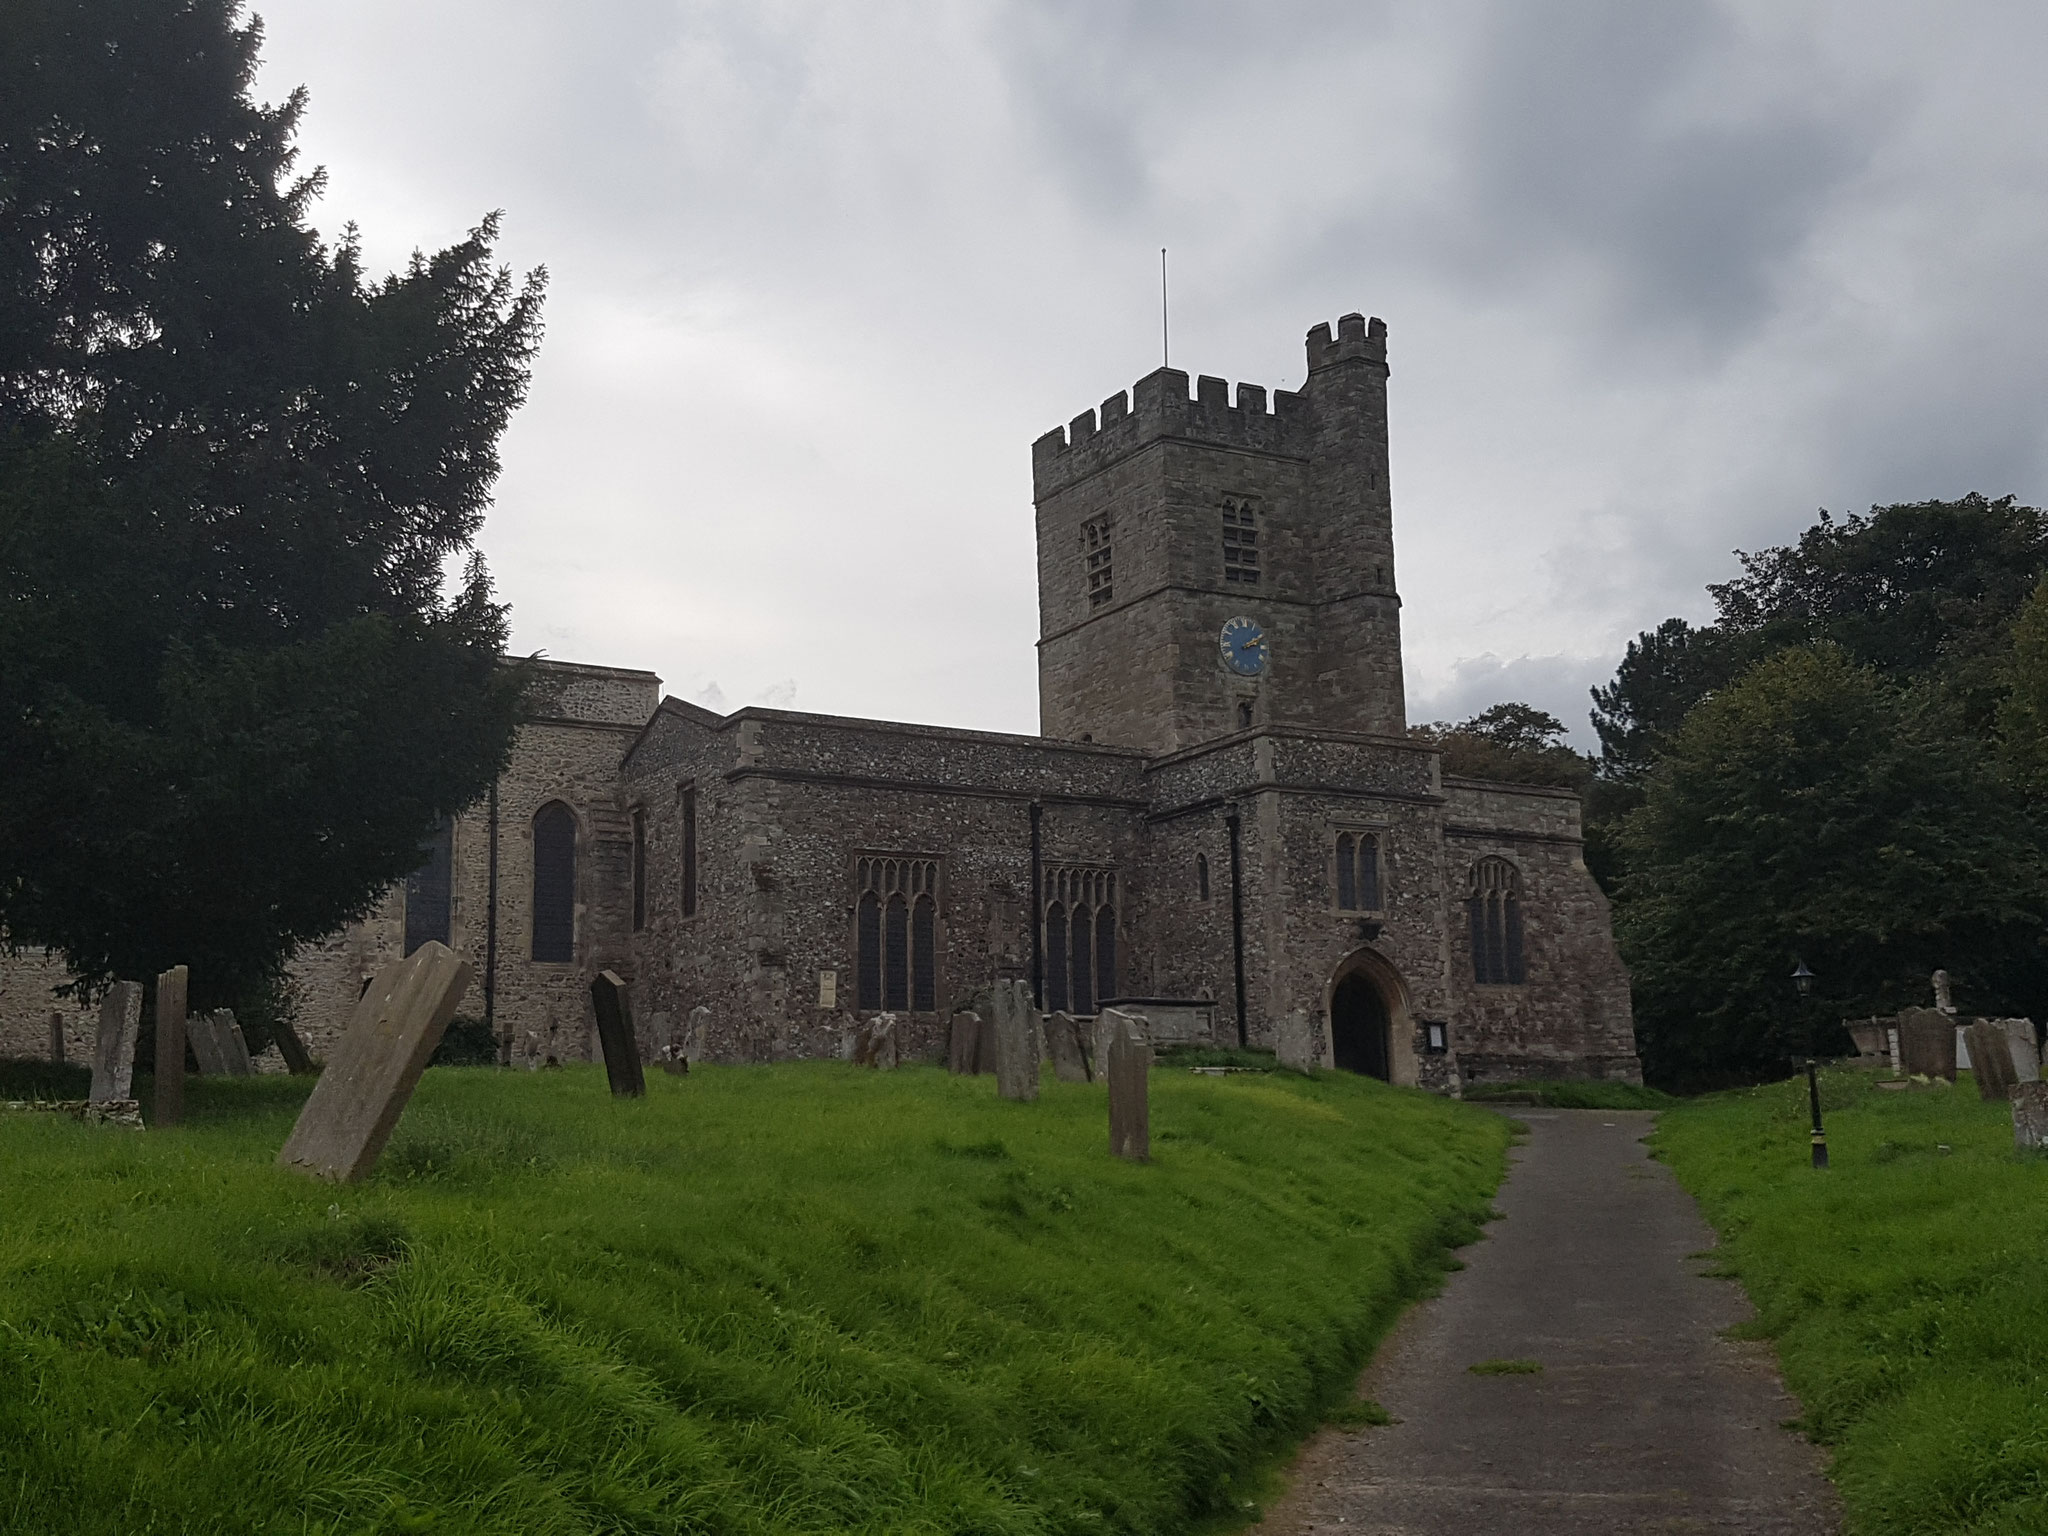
<point x="1223" y="821"/>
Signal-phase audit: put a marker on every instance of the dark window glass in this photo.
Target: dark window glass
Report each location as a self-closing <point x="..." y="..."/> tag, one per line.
<point x="428" y="894"/>
<point x="1055" y="958"/>
<point x="639" y="869"/>
<point x="1244" y="713"/>
<point x="1511" y="939"/>
<point x="1202" y="875"/>
<point x="1347" y="886"/>
<point x="1084" y="961"/>
<point x="896" y="954"/>
<point x="1368" y="874"/>
<point x="868" y="969"/>
<point x="554" y="884"/>
<point x="1105" y="954"/>
<point x="924" y="956"/>
<point x="689" y="853"/>
<point x="1496" y="908"/>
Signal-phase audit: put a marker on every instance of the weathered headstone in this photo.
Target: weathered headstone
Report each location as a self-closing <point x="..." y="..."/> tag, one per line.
<point x="874" y="1043"/>
<point x="1018" y="1052"/>
<point x="2030" y="1116"/>
<point x="171" y="989"/>
<point x="1063" y="1039"/>
<point x="1869" y="1035"/>
<point x="1298" y="1042"/>
<point x="1990" y="1060"/>
<point x="1130" y="1110"/>
<point x="203" y="1035"/>
<point x="1107" y="1023"/>
<point x="1927" y="1043"/>
<point x="2026" y="1052"/>
<point x="297" y="1060"/>
<point x="56" y="1038"/>
<point x="113" y="1057"/>
<point x="615" y="1035"/>
<point x="376" y="1064"/>
<point x="234" y="1049"/>
<point x="964" y="1045"/>
<point x="698" y="1049"/>
<point x="1943" y="1002"/>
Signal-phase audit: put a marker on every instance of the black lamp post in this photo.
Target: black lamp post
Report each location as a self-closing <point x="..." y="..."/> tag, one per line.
<point x="1802" y="980"/>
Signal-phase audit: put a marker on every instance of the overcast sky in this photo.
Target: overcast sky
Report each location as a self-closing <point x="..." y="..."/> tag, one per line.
<point x="1660" y="280"/>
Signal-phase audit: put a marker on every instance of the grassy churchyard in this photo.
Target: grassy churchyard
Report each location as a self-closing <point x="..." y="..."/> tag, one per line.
<point x="792" y="1298"/>
<point x="1906" y="1288"/>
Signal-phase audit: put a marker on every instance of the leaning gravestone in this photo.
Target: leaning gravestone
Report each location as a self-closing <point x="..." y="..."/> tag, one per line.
<point x="964" y="1045"/>
<point x="1015" y="1024"/>
<point x="170" y="1045"/>
<point x="874" y="1043"/>
<point x="234" y="1049"/>
<point x="1130" y="1110"/>
<point x="1927" y="1043"/>
<point x="203" y="1036"/>
<point x="376" y="1064"/>
<point x="1063" y="1039"/>
<point x="1298" y="1042"/>
<point x="113" y="1057"/>
<point x="615" y="1036"/>
<point x="1990" y="1060"/>
<point x="297" y="1059"/>
<point x="2030" y="1116"/>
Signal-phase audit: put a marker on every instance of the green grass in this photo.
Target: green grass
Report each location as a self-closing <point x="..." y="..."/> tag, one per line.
<point x="1906" y="1288"/>
<point x="799" y="1298"/>
<point x="1570" y="1095"/>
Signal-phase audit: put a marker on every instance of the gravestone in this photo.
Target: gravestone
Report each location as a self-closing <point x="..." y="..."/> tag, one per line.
<point x="874" y="1043"/>
<point x="2030" y="1116"/>
<point x="1130" y="1110"/>
<point x="234" y="1050"/>
<point x="1990" y="1060"/>
<point x="615" y="1035"/>
<point x="113" y="1057"/>
<point x="1943" y="1002"/>
<point x="1018" y="1053"/>
<point x="1063" y="1039"/>
<point x="697" y="1051"/>
<point x="1927" y="1043"/>
<point x="667" y="1049"/>
<point x="170" y="1045"/>
<point x="376" y="1064"/>
<point x="204" y="1037"/>
<point x="2026" y="1054"/>
<point x="297" y="1060"/>
<point x="1869" y="1035"/>
<point x="56" y="1038"/>
<point x="964" y="1045"/>
<point x="1298" y="1042"/>
<point x="1107" y="1023"/>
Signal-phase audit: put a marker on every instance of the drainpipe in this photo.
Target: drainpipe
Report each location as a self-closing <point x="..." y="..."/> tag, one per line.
<point x="1237" y="917"/>
<point x="491" y="925"/>
<point x="1037" y="909"/>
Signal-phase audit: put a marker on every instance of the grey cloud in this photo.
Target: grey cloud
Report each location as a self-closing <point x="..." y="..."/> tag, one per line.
<point x="1558" y="684"/>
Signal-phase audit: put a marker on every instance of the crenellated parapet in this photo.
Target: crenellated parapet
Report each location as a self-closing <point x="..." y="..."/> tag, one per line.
<point x="1357" y="340"/>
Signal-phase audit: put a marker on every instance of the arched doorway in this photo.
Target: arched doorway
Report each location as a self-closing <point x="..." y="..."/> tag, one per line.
<point x="1360" y="1029"/>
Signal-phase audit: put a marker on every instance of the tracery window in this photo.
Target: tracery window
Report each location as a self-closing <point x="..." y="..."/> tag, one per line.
<point x="1495" y="910"/>
<point x="1080" y="938"/>
<point x="1358" y="872"/>
<point x="429" y="893"/>
<point x="1095" y="553"/>
<point x="1241" y="540"/>
<point x="896" y="933"/>
<point x="554" y="883"/>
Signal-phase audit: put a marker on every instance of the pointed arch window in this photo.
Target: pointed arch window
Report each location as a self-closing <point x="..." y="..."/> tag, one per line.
<point x="1494" y="911"/>
<point x="1358" y="871"/>
<point x="1080" y="938"/>
<point x="554" y="884"/>
<point x="896" y="934"/>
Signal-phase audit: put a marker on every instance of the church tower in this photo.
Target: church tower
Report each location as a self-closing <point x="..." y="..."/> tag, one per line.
<point x="1207" y="567"/>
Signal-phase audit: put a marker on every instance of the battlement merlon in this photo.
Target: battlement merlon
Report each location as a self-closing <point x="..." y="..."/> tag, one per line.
<point x="1159" y="407"/>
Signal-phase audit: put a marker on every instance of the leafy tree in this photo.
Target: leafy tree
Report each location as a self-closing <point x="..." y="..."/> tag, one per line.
<point x="1512" y="743"/>
<point x="2023" y="716"/>
<point x="1814" y="810"/>
<point x="237" y="687"/>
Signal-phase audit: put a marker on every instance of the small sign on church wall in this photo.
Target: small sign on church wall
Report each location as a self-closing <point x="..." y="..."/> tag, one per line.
<point x="828" y="989"/>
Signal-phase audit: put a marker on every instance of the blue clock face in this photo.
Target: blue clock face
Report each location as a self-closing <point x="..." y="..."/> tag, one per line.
<point x="1244" y="646"/>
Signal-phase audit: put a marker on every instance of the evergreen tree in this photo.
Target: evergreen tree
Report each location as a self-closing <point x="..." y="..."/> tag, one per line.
<point x="1511" y="743"/>
<point x="237" y="685"/>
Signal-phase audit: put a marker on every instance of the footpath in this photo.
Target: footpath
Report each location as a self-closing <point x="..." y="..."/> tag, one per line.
<point x="1644" y="1417"/>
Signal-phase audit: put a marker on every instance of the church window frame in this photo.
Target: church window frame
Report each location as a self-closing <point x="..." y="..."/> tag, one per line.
<point x="557" y="832"/>
<point x="1098" y="562"/>
<point x="430" y="890"/>
<point x="1494" y="907"/>
<point x="1078" y="937"/>
<point x="1358" y="870"/>
<point x="899" y="932"/>
<point x="1241" y="550"/>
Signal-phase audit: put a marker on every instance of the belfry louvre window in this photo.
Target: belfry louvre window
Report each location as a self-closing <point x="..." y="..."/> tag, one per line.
<point x="1495" y="908"/>
<point x="896" y="933"/>
<point x="429" y="891"/>
<point x="554" y="883"/>
<point x="1095" y="555"/>
<point x="1080" y="938"/>
<point x="1358" y="872"/>
<point x="1241" y="540"/>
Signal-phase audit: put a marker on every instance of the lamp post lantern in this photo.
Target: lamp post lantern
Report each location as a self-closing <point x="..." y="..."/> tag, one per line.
<point x="1802" y="981"/>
